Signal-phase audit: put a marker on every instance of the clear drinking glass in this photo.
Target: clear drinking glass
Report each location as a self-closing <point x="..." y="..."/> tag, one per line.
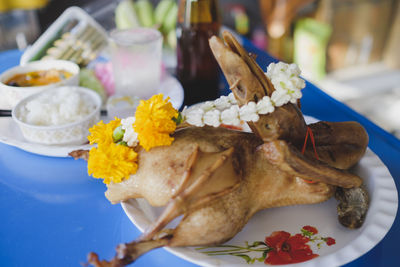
<point x="136" y="61"/>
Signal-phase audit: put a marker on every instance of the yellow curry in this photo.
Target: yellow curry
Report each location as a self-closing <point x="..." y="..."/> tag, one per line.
<point x="38" y="78"/>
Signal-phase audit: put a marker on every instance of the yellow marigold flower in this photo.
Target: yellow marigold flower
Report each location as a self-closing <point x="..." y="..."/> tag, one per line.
<point x="101" y="133"/>
<point x="153" y="122"/>
<point x="112" y="162"/>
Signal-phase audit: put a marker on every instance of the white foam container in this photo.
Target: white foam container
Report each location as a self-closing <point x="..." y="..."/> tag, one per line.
<point x="69" y="14"/>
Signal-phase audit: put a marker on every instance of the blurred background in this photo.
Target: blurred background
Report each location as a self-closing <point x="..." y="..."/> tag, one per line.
<point x="349" y="48"/>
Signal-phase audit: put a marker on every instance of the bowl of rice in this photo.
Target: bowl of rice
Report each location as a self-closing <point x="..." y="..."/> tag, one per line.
<point x="58" y="116"/>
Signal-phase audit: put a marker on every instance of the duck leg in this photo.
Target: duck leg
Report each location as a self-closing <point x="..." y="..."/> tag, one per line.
<point x="128" y="253"/>
<point x="208" y="176"/>
<point x="195" y="192"/>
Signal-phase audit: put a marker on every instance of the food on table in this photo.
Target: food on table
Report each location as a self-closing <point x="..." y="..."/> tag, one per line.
<point x="166" y="13"/>
<point x="125" y="15"/>
<point x="57" y="107"/>
<point x="75" y="36"/>
<point x="141" y="13"/>
<point x="88" y="79"/>
<point x="38" y="78"/>
<point x="81" y="45"/>
<point x="58" y="116"/>
<point x="69" y="25"/>
<point x="145" y="12"/>
<point x="218" y="178"/>
<point x="103" y="72"/>
<point x="24" y="80"/>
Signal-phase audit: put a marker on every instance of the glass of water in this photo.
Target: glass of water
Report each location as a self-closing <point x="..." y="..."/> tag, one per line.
<point x="136" y="61"/>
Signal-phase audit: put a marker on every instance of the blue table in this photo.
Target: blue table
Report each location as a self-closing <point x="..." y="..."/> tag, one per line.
<point x="53" y="214"/>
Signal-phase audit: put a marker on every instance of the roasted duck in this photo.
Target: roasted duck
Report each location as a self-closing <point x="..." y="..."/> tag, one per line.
<point x="219" y="178"/>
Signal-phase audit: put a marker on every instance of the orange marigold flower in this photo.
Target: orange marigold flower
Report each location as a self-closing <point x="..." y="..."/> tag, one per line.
<point x="112" y="162"/>
<point x="153" y="122"/>
<point x="101" y="133"/>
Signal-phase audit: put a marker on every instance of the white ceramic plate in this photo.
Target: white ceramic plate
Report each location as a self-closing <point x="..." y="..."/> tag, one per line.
<point x="10" y="134"/>
<point x="350" y="244"/>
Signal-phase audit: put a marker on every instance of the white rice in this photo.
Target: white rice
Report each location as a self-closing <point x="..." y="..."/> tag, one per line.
<point x="57" y="107"/>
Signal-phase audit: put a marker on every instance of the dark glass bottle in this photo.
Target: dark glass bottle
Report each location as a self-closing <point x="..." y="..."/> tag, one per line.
<point x="197" y="68"/>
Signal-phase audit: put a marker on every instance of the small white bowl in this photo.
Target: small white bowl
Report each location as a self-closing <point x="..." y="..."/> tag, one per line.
<point x="74" y="133"/>
<point x="13" y="94"/>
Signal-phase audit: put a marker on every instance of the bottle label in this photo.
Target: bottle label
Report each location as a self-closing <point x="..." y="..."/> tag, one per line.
<point x="200" y="12"/>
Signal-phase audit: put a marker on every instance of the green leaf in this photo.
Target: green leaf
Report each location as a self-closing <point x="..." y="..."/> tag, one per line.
<point x="265" y="254"/>
<point x="178" y="120"/>
<point x="258" y="243"/>
<point x="243" y="256"/>
<point x="240" y="251"/>
<point x="122" y="143"/>
<point x="261" y="259"/>
<point x="306" y="233"/>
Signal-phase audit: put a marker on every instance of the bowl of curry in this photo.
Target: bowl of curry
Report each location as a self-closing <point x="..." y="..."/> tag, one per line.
<point x="24" y="80"/>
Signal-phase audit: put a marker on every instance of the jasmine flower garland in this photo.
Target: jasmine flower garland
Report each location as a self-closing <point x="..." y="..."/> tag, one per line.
<point x="224" y="110"/>
<point x="286" y="81"/>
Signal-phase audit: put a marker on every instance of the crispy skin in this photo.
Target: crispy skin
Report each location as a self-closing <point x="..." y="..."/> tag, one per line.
<point x="290" y="160"/>
<point x="262" y="185"/>
<point x="161" y="169"/>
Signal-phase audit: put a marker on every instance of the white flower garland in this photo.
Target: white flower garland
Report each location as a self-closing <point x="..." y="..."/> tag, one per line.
<point x="224" y="110"/>
<point x="286" y="81"/>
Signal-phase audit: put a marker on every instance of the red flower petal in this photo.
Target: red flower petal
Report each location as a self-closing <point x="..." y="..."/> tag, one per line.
<point x="288" y="249"/>
<point x="311" y="229"/>
<point x="284" y="256"/>
<point x="302" y="255"/>
<point x="273" y="258"/>
<point x="298" y="241"/>
<point x="276" y="239"/>
<point x="330" y="241"/>
<point x="277" y="258"/>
